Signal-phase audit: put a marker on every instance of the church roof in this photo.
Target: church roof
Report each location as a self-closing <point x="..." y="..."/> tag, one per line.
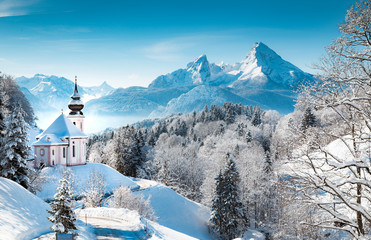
<point x="49" y="139"/>
<point x="61" y="128"/>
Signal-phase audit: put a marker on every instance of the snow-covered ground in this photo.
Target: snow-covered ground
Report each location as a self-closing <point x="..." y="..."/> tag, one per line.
<point x="175" y="211"/>
<point x="113" y="179"/>
<point x="22" y="214"/>
<point x="125" y="224"/>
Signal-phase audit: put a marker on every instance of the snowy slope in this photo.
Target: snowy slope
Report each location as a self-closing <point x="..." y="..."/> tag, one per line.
<point x="176" y="212"/>
<point x="81" y="173"/>
<point x="133" y="101"/>
<point x="22" y="214"/>
<point x="197" y="98"/>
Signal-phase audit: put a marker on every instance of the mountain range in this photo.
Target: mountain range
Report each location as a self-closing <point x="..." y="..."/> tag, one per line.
<point x="262" y="78"/>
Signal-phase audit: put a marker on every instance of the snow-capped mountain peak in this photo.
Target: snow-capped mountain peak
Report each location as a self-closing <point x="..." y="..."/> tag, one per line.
<point x="200" y="70"/>
<point x="196" y="73"/>
<point x="263" y="66"/>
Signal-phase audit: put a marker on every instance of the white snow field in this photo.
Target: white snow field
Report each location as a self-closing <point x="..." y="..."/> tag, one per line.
<point x="177" y="212"/>
<point x="120" y="223"/>
<point x="22" y="214"/>
<point x="81" y="175"/>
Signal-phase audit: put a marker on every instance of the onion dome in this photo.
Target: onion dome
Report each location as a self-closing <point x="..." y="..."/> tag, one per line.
<point x="76" y="105"/>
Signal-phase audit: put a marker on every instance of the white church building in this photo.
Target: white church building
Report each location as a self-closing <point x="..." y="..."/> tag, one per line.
<point x="64" y="141"/>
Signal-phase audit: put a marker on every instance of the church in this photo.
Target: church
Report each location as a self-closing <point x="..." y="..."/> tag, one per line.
<point x="64" y="141"/>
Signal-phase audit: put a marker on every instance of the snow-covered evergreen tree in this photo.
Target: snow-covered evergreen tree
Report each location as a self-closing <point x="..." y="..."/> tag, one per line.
<point x="309" y="120"/>
<point x="217" y="219"/>
<point x="62" y="214"/>
<point x="256" y="118"/>
<point x="234" y="209"/>
<point x="16" y="149"/>
<point x="228" y="213"/>
<point x="2" y="127"/>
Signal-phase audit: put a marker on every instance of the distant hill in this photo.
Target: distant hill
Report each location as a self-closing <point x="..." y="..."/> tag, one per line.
<point x="53" y="93"/>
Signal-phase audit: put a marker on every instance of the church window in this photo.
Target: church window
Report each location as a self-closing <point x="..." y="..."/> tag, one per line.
<point x="64" y="152"/>
<point x="73" y="151"/>
<point x="53" y="152"/>
<point x="42" y="152"/>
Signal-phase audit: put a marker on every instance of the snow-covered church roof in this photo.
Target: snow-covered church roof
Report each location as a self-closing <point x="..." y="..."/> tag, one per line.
<point x="61" y="128"/>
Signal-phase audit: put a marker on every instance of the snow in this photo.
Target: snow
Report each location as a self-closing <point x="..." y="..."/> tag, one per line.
<point x="22" y="214"/>
<point x="62" y="127"/>
<point x="127" y="224"/>
<point x="252" y="235"/>
<point x="176" y="212"/>
<point x="81" y="174"/>
<point x="197" y="98"/>
<point x="49" y="139"/>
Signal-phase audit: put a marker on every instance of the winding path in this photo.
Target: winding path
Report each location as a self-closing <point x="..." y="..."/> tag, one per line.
<point x="110" y="228"/>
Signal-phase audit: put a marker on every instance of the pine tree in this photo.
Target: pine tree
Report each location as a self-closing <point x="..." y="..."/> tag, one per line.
<point x="2" y="128"/>
<point x="256" y="118"/>
<point x="13" y="164"/>
<point x="217" y="218"/>
<point x="233" y="206"/>
<point x="227" y="209"/>
<point x="63" y="216"/>
<point x="309" y="120"/>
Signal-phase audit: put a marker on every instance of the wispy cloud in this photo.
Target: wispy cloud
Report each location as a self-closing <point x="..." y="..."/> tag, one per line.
<point x="9" y="8"/>
<point x="175" y="48"/>
<point x="168" y="50"/>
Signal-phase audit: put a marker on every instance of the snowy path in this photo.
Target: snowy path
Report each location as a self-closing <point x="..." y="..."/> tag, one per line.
<point x="110" y="228"/>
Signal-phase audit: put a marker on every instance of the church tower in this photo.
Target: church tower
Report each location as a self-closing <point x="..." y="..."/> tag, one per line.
<point x="76" y="105"/>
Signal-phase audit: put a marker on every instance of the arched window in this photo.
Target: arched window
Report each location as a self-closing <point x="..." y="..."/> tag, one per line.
<point x="73" y="151"/>
<point x="42" y="152"/>
<point x="64" y="152"/>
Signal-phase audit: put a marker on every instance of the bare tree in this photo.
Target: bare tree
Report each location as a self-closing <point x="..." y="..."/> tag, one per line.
<point x="343" y="173"/>
<point x="95" y="189"/>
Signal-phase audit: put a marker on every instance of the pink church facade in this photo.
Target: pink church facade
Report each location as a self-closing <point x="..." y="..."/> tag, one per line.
<point x="63" y="142"/>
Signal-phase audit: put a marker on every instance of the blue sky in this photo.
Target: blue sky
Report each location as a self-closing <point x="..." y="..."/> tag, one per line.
<point x="132" y="42"/>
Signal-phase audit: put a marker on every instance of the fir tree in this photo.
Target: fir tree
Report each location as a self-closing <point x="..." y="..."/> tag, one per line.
<point x="217" y="219"/>
<point x="233" y="206"/>
<point x="309" y="120"/>
<point x="2" y="127"/>
<point x="227" y="209"/>
<point x="256" y="118"/>
<point x="13" y="164"/>
<point x="63" y="216"/>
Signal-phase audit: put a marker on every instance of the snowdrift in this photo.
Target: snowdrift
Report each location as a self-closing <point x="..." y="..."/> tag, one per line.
<point x="22" y="214"/>
<point x="177" y="212"/>
<point x="81" y="174"/>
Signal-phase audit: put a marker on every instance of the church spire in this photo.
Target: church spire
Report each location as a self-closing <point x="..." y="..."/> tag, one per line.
<point x="76" y="105"/>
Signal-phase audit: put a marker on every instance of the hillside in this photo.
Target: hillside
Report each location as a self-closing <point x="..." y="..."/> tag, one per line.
<point x="81" y="174"/>
<point x="23" y="215"/>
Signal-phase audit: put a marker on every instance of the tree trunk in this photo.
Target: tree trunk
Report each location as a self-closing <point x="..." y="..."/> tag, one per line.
<point x="359" y="201"/>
